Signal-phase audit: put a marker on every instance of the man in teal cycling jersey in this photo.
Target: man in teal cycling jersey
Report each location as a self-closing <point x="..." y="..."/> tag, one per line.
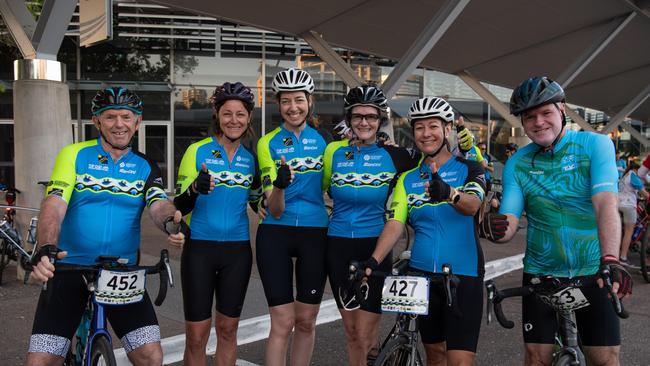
<point x="93" y="206"/>
<point x="567" y="183"/>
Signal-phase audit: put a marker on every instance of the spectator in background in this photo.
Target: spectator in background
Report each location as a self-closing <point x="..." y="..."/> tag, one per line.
<point x="511" y="149"/>
<point x="621" y="165"/>
<point x="488" y="166"/>
<point x="628" y="186"/>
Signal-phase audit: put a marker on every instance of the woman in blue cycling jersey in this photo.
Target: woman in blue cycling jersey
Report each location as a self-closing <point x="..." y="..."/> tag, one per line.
<point x="358" y="173"/>
<point x="291" y="163"/>
<point x="440" y="198"/>
<point x="217" y="178"/>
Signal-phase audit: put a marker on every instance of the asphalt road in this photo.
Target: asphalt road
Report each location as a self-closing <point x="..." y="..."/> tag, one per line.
<point x="497" y="346"/>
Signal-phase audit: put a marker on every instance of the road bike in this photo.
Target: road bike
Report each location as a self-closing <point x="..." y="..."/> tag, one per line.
<point x="111" y="281"/>
<point x="564" y="297"/>
<point x="405" y="292"/>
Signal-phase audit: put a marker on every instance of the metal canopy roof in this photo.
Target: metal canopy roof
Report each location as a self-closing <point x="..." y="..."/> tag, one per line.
<point x="497" y="41"/>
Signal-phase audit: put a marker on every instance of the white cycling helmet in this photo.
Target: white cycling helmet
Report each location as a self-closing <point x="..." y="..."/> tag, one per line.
<point x="292" y="80"/>
<point x="429" y="107"/>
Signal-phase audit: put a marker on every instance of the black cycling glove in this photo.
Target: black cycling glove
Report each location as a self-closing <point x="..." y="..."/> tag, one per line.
<point x="283" y="179"/>
<point x="493" y="227"/>
<point x="202" y="183"/>
<point x="618" y="273"/>
<point x="47" y="250"/>
<point x="439" y="191"/>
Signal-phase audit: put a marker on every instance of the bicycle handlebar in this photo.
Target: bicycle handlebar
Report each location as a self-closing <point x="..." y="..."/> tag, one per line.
<point x="162" y="268"/>
<point x="495" y="297"/>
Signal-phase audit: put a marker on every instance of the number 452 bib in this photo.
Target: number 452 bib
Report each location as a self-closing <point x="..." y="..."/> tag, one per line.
<point x="120" y="288"/>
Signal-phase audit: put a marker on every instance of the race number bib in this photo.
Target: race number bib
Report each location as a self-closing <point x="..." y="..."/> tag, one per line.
<point x="570" y="298"/>
<point x="120" y="288"/>
<point x="405" y="294"/>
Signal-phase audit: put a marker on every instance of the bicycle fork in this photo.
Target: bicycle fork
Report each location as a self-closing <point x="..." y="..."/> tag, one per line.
<point x="98" y="328"/>
<point x="569" y="335"/>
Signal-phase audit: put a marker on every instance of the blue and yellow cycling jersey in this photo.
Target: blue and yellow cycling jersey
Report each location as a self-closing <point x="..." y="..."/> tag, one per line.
<point x="105" y="200"/>
<point x="303" y="198"/>
<point x="358" y="179"/>
<point x="474" y="154"/>
<point x="555" y="188"/>
<point x="442" y="234"/>
<point x="221" y="214"/>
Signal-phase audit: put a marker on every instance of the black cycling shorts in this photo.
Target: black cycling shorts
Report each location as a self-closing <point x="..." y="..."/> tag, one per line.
<point x="58" y="314"/>
<point x="276" y="245"/>
<point x="459" y="325"/>
<point x="340" y="252"/>
<point x="598" y="324"/>
<point x="215" y="269"/>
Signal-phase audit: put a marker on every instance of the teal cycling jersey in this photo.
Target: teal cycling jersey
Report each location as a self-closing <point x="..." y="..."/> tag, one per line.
<point x="303" y="198"/>
<point x="105" y="200"/>
<point x="358" y="179"/>
<point x="221" y="214"/>
<point x="555" y="188"/>
<point x="442" y="234"/>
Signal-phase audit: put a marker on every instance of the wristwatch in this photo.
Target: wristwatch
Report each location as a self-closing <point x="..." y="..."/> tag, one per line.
<point x="455" y="196"/>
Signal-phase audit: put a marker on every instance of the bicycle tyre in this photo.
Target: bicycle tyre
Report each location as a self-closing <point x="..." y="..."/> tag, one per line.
<point x="4" y="257"/>
<point x="644" y="254"/>
<point x="568" y="360"/>
<point x="397" y="352"/>
<point x="102" y="351"/>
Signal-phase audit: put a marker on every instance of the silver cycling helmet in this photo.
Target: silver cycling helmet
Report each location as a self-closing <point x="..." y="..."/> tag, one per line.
<point x="429" y="107"/>
<point x="291" y="80"/>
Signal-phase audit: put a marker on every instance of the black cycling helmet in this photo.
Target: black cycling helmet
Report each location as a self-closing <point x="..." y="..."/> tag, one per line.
<point x="534" y="92"/>
<point x="229" y="91"/>
<point x="366" y="95"/>
<point x="512" y="147"/>
<point x="116" y="98"/>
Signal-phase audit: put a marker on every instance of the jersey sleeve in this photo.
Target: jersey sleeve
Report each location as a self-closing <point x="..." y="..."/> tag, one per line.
<point x="479" y="155"/>
<point x="403" y="159"/>
<point x="267" y="167"/>
<point x="513" y="196"/>
<point x="604" y="176"/>
<point x="475" y="182"/>
<point x="327" y="164"/>
<point x="397" y="207"/>
<point x="635" y="181"/>
<point x="64" y="175"/>
<point x="153" y="187"/>
<point x="187" y="172"/>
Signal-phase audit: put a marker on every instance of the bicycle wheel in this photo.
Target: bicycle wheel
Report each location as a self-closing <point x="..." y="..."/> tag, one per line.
<point x="644" y="254"/>
<point x="102" y="353"/>
<point x="568" y="360"/>
<point x="398" y="352"/>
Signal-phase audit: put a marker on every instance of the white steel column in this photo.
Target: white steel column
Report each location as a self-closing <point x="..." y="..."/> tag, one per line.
<point x="575" y="117"/>
<point x="629" y="108"/>
<point x="423" y="44"/>
<point x="592" y="52"/>
<point x="490" y="98"/>
<point x="327" y="54"/>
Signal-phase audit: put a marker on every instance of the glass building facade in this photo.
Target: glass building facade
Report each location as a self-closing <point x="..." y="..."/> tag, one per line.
<point x="174" y="60"/>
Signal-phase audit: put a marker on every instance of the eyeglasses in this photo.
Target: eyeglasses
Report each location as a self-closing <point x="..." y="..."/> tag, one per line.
<point x="371" y="118"/>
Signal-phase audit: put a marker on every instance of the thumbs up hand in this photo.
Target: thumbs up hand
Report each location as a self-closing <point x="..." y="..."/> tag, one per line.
<point x="436" y="188"/>
<point x="204" y="183"/>
<point x="285" y="174"/>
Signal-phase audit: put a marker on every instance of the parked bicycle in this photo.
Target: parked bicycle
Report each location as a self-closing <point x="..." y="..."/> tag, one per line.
<point x="405" y="292"/>
<point x="640" y="237"/>
<point x="111" y="281"/>
<point x="563" y="296"/>
<point x="11" y="240"/>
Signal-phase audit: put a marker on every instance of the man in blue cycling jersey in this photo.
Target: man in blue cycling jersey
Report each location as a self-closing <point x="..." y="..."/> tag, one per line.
<point x="92" y="207"/>
<point x="567" y="183"/>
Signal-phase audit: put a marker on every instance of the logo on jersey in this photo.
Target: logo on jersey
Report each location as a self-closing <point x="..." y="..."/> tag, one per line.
<point x="287" y="141"/>
<point x="308" y="141"/>
<point x="349" y="155"/>
<point x="568" y="163"/>
<point x="102" y="159"/>
<point x="424" y="175"/>
<point x="216" y="153"/>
